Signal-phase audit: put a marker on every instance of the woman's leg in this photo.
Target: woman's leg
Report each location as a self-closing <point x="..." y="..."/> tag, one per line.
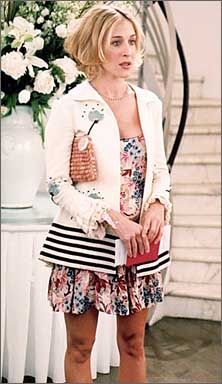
<point x="130" y="339"/>
<point x="81" y="331"/>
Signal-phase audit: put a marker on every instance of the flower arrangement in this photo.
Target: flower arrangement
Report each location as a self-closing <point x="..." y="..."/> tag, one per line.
<point x="35" y="68"/>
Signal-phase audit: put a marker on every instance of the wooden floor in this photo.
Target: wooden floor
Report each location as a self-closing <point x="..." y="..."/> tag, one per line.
<point x="180" y="351"/>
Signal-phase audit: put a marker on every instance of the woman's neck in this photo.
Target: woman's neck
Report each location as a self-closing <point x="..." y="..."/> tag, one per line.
<point x="110" y="88"/>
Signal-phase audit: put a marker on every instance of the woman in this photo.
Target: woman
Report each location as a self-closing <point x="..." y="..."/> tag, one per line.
<point x="130" y="197"/>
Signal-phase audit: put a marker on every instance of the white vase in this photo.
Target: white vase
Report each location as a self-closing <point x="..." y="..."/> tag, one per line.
<point x="22" y="159"/>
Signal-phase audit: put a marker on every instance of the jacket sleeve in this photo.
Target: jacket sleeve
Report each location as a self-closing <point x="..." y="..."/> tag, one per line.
<point x="161" y="178"/>
<point x="59" y="135"/>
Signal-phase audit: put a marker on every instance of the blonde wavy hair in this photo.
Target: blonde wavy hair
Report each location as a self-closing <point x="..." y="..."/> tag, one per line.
<point x="86" y="43"/>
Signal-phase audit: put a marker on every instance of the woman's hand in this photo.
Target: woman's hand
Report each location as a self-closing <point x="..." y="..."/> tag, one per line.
<point x="153" y="222"/>
<point x="130" y="233"/>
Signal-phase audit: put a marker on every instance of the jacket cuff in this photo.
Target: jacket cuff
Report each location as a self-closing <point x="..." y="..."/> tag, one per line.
<point x="88" y="212"/>
<point x="96" y="226"/>
<point x="167" y="206"/>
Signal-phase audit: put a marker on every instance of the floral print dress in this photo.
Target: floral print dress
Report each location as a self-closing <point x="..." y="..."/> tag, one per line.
<point x="75" y="291"/>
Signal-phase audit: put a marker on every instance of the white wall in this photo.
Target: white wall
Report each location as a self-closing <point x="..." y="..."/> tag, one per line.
<point x="199" y="26"/>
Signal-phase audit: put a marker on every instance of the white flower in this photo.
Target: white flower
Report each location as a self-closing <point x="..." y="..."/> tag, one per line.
<point x="2" y="95"/>
<point x="35" y="45"/>
<point x="19" y="26"/>
<point x="36" y="8"/>
<point x="38" y="42"/>
<point x="61" y="30"/>
<point x="48" y="23"/>
<point x="45" y="12"/>
<point x="22" y="31"/>
<point x="40" y="20"/>
<point x="34" y="61"/>
<point x="24" y="96"/>
<point x="44" y="82"/>
<point x="13" y="64"/>
<point x="31" y="47"/>
<point x="69" y="68"/>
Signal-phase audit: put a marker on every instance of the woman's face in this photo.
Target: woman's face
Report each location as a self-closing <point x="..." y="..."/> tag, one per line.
<point x="120" y="51"/>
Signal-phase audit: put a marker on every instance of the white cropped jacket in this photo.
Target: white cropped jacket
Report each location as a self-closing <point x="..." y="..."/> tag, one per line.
<point x="84" y="204"/>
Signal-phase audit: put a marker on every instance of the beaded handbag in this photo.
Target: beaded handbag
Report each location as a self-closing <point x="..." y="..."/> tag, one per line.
<point x="83" y="159"/>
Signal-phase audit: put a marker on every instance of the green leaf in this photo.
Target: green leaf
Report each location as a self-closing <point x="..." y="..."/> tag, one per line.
<point x="15" y="44"/>
<point x="39" y="104"/>
<point x="58" y="72"/>
<point x="10" y="8"/>
<point x="28" y="38"/>
<point x="10" y="101"/>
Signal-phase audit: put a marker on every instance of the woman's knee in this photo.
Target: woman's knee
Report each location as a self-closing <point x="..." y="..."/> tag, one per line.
<point x="79" y="349"/>
<point x="131" y="344"/>
<point x="81" y="331"/>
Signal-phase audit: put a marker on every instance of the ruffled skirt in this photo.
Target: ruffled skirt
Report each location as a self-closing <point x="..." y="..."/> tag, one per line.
<point x="75" y="291"/>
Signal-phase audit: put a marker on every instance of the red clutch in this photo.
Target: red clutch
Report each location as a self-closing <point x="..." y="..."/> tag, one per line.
<point x="152" y="255"/>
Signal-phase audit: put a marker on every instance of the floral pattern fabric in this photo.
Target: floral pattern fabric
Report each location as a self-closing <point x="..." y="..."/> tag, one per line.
<point x="75" y="291"/>
<point x="133" y="172"/>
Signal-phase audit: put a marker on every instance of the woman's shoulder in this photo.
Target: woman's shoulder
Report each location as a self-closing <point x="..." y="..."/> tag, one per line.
<point x="64" y="101"/>
<point x="81" y="92"/>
